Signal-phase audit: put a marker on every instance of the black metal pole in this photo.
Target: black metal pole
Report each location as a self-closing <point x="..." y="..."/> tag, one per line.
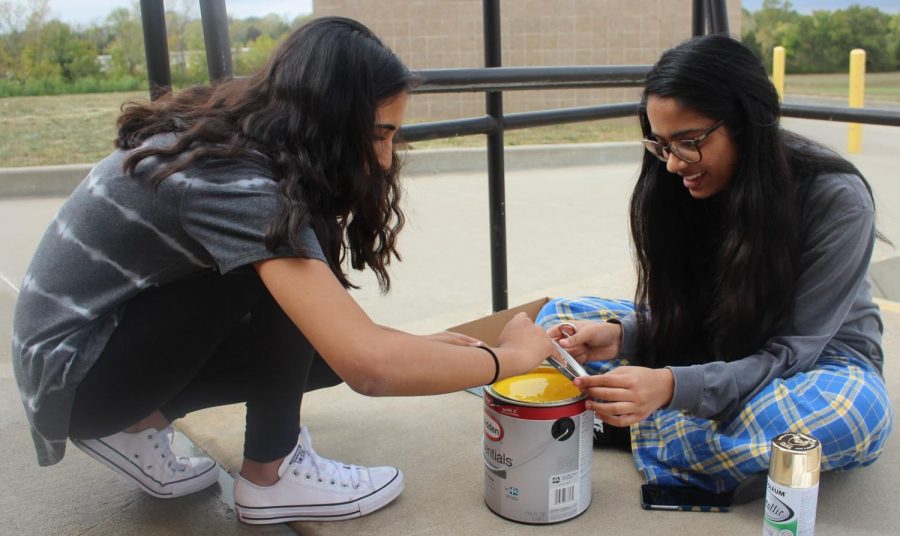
<point x="496" y="187"/>
<point x="719" y="15"/>
<point x="698" y="21"/>
<point x="156" y="49"/>
<point x="215" y="36"/>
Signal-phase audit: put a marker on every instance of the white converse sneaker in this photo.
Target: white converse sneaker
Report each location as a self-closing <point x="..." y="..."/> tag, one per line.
<point x="147" y="458"/>
<point x="312" y="488"/>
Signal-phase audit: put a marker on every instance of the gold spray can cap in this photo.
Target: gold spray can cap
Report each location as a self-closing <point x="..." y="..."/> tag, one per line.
<point x="796" y="459"/>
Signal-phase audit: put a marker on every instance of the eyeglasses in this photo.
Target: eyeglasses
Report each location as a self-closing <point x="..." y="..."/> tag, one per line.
<point x="687" y="151"/>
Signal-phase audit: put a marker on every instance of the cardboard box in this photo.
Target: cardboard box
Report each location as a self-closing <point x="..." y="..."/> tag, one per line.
<point x="488" y="328"/>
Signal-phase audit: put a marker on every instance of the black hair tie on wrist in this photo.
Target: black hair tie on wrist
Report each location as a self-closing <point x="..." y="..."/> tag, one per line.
<point x="496" y="364"/>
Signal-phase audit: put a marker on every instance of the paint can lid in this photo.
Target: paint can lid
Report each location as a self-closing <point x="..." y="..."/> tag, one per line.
<point x="795" y="460"/>
<point x="544" y="386"/>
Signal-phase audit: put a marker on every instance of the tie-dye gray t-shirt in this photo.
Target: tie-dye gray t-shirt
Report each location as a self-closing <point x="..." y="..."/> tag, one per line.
<point x="114" y="237"/>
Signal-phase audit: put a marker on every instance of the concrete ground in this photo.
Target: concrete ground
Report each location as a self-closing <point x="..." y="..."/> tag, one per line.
<point x="567" y="235"/>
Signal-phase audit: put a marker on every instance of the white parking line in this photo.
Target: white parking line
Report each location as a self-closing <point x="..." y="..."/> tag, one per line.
<point x="888" y="305"/>
<point x="10" y="283"/>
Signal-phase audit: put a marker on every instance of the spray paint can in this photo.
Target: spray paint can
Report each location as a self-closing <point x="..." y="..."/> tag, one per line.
<point x="792" y="490"/>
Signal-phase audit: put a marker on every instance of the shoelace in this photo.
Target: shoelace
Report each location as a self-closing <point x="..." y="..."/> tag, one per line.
<point x="163" y="441"/>
<point x="332" y="471"/>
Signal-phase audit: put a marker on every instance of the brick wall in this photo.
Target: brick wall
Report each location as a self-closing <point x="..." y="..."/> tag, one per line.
<point x="433" y="34"/>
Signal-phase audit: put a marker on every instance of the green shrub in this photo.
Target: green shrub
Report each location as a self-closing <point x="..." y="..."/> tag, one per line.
<point x="57" y="86"/>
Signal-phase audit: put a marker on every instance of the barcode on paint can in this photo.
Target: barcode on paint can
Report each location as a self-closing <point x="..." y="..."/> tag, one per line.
<point x="564" y="495"/>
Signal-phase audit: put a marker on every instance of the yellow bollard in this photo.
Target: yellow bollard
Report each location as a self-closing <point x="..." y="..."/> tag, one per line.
<point x="778" y="71"/>
<point x="857" y="92"/>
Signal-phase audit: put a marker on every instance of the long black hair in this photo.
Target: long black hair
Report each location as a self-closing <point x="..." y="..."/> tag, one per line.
<point x="719" y="275"/>
<point x="309" y="117"/>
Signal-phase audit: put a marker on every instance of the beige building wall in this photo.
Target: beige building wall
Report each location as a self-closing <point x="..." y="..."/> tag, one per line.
<point x="435" y="34"/>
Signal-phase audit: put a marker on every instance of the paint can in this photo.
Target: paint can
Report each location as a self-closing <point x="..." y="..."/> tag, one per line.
<point x="792" y="490"/>
<point x="538" y="442"/>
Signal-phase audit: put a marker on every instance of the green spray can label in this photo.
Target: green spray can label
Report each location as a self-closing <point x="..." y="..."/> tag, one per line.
<point x="792" y="490"/>
<point x="790" y="511"/>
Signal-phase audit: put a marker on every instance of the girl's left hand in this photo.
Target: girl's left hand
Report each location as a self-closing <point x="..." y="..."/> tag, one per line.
<point x="450" y="337"/>
<point x="627" y="395"/>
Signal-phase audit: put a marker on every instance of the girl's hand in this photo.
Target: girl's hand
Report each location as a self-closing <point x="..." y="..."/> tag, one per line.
<point x="627" y="395"/>
<point x="451" y="337"/>
<point x="526" y="343"/>
<point x="591" y="341"/>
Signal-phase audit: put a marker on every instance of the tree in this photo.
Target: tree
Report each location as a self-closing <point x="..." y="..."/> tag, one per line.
<point x="748" y="33"/>
<point x="55" y="55"/>
<point x="822" y="42"/>
<point x="76" y="56"/>
<point x="866" y="28"/>
<point x="894" y="40"/>
<point x="255" y="56"/>
<point x="186" y="45"/>
<point x="99" y="36"/>
<point x="12" y="17"/>
<point x="126" y="48"/>
<point x="772" y="22"/>
<point x="34" y="58"/>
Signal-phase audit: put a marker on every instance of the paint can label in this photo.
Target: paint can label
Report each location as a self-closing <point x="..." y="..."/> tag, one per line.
<point x="538" y="470"/>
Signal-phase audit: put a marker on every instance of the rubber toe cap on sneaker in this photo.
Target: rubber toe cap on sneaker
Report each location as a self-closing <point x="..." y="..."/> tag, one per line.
<point x="203" y="472"/>
<point x="387" y="484"/>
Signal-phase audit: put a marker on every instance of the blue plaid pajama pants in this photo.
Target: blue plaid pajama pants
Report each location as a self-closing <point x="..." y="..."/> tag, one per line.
<point x="842" y="402"/>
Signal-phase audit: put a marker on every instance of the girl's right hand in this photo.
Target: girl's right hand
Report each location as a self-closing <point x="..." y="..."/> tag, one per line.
<point x="527" y="343"/>
<point x="592" y="341"/>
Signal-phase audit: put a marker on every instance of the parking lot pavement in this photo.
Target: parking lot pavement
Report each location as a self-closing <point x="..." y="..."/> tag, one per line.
<point x="567" y="235"/>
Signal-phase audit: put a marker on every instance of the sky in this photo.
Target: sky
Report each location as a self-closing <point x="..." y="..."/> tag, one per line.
<point x="84" y="12"/>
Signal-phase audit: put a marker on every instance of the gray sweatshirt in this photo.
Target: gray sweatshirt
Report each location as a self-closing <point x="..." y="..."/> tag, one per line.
<point x="833" y="307"/>
<point x="113" y="238"/>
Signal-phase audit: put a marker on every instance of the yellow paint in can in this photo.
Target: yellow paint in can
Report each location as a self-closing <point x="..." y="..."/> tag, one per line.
<point x="542" y="386"/>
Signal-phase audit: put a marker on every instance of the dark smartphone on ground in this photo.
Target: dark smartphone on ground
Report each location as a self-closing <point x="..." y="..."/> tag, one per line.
<point x="685" y="499"/>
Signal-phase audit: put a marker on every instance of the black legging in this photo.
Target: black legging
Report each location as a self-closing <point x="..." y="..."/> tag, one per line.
<point x="202" y="342"/>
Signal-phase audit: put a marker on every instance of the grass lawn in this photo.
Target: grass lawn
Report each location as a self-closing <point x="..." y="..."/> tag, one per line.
<point x="71" y="129"/>
<point x="881" y="88"/>
<point x="619" y="129"/>
<point x="62" y="129"/>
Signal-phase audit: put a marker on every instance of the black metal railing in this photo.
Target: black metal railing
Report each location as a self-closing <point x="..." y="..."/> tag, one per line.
<point x="215" y="38"/>
<point x="708" y="16"/>
<point x="153" y="22"/>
